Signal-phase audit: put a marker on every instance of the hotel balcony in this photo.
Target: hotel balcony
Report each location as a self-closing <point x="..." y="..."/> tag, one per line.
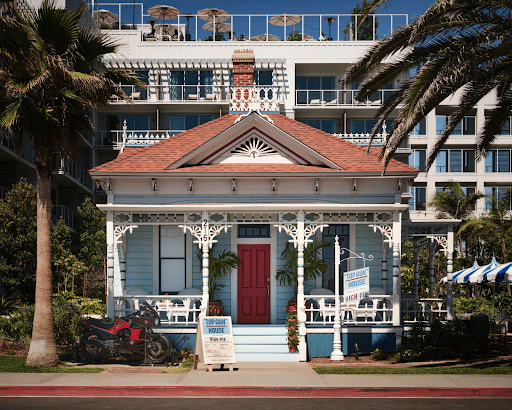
<point x="339" y="98"/>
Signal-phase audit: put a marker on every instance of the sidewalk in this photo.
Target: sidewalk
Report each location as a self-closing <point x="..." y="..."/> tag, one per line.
<point x="255" y="379"/>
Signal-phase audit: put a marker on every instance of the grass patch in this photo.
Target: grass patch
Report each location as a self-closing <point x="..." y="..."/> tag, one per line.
<point x="415" y="370"/>
<point x="12" y="364"/>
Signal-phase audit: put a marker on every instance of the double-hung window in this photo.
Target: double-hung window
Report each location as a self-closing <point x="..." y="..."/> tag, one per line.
<point x="172" y="259"/>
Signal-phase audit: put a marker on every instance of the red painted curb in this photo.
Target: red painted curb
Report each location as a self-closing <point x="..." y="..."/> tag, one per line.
<point x="235" y="391"/>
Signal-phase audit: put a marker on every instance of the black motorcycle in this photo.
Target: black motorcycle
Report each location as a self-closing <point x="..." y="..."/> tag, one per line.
<point x="128" y="336"/>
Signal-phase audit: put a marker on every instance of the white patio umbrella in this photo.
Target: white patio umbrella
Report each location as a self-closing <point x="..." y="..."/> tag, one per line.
<point x="105" y="17"/>
<point x="265" y="37"/>
<point x="478" y="276"/>
<point x="167" y="28"/>
<point x="219" y="27"/>
<point x="213" y="14"/>
<point x="498" y="274"/>
<point x="163" y="13"/>
<point x="285" y="20"/>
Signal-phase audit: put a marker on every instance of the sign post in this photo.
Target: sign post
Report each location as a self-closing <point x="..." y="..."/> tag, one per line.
<point x="215" y="342"/>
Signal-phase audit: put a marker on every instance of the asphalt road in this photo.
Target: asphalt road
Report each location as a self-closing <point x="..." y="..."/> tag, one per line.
<point x="250" y="403"/>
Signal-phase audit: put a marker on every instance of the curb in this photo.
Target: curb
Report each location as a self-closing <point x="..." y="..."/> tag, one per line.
<point x="236" y="391"/>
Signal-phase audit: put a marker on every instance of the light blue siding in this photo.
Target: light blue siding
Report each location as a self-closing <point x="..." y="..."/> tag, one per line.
<point x="284" y="292"/>
<point x="370" y="243"/>
<point x="139" y="259"/>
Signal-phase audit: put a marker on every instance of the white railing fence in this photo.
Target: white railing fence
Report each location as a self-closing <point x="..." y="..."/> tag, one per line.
<point x="336" y="98"/>
<point x="375" y="309"/>
<point x="173" y="309"/>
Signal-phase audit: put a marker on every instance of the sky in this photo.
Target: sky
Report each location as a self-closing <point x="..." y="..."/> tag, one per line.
<point x="410" y="7"/>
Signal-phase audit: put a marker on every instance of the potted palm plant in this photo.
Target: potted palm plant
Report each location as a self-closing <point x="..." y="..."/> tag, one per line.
<point x="314" y="265"/>
<point x="219" y="265"/>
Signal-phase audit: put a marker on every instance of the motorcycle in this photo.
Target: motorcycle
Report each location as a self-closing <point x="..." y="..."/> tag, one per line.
<point x="128" y="336"/>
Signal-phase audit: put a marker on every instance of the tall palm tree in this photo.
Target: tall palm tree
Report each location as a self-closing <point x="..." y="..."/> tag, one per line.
<point x="452" y="202"/>
<point x="51" y="77"/>
<point x="455" y="44"/>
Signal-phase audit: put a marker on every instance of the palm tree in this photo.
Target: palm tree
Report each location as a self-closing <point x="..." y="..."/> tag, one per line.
<point x="452" y="202"/>
<point x="497" y="222"/>
<point x="455" y="44"/>
<point x="314" y="265"/>
<point x="51" y="78"/>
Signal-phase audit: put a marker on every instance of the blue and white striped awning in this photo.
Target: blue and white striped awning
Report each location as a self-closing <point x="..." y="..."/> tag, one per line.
<point x="455" y="275"/>
<point x="479" y="275"/>
<point x="502" y="273"/>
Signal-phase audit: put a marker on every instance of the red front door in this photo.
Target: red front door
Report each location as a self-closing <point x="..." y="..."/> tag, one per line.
<point x="254" y="284"/>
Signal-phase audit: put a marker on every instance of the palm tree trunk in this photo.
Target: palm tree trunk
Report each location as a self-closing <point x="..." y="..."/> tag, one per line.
<point x="43" y="350"/>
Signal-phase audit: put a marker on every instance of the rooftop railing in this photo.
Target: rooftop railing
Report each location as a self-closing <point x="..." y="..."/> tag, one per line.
<point x="253" y="27"/>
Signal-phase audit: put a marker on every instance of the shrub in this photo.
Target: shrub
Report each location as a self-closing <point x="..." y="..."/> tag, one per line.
<point x="443" y="340"/>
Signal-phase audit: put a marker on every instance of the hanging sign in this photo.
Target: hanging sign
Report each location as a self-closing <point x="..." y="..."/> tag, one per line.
<point x="214" y="341"/>
<point x="356" y="284"/>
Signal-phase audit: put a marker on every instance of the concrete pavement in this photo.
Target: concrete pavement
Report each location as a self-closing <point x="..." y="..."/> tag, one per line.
<point x="256" y="374"/>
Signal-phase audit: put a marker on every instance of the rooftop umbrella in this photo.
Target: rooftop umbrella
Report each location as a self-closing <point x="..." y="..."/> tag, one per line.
<point x="479" y="275"/>
<point x="265" y="37"/>
<point x="498" y="274"/>
<point x="163" y="12"/>
<point x="219" y="27"/>
<point x="285" y="20"/>
<point x="105" y="17"/>
<point x="167" y="28"/>
<point x="213" y="14"/>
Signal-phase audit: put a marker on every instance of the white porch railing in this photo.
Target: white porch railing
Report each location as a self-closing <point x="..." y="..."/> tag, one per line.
<point x="376" y="309"/>
<point x="173" y="309"/>
<point x="363" y="139"/>
<point x="246" y="98"/>
<point x="177" y="93"/>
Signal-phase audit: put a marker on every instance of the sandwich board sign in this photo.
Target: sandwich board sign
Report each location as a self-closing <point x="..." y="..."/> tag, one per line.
<point x="215" y="342"/>
<point x="356" y="284"/>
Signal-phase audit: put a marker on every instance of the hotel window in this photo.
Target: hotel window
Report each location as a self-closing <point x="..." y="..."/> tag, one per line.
<point x="262" y="77"/>
<point x="135" y="92"/>
<point x="418" y="158"/>
<point x="499" y="193"/>
<point x="114" y="125"/>
<point x="497" y="161"/>
<point x="191" y="84"/>
<point x="312" y="89"/>
<point x="180" y="123"/>
<point x="418" y="199"/>
<point x="360" y="126"/>
<point x="328" y="126"/>
<point x="172" y="259"/>
<point x="466" y="127"/>
<point x="455" y="160"/>
<point x="506" y="128"/>
<point x="468" y="190"/>
<point x="420" y="128"/>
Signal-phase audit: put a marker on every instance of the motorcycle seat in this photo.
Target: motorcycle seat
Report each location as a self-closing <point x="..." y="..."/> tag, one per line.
<point x="100" y="323"/>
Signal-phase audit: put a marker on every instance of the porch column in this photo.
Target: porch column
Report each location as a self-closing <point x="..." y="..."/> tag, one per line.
<point x="397" y="283"/>
<point x="300" y="238"/>
<point x="431" y="253"/>
<point x="110" y="264"/>
<point x="301" y="308"/>
<point x="384" y="266"/>
<point x="416" y="257"/>
<point x="449" y="269"/>
<point x="205" y="234"/>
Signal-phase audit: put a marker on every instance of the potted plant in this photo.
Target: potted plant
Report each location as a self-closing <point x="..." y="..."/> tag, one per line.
<point x="292" y="325"/>
<point x="219" y="265"/>
<point x="314" y="265"/>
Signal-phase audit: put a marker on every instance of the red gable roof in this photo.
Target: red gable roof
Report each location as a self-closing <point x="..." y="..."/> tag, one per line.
<point x="157" y="158"/>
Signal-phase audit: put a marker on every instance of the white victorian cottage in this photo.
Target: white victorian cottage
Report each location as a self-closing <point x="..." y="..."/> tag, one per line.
<point x="249" y="182"/>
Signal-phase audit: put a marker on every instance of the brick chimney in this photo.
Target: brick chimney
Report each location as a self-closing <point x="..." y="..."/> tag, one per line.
<point x="243" y="67"/>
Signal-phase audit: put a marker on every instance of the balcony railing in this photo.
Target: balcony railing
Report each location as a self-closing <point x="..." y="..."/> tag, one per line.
<point x="178" y="93"/>
<point x="364" y="138"/>
<point x="258" y="98"/>
<point x="243" y="27"/>
<point x="61" y="166"/>
<point x="27" y="150"/>
<point x="67" y="215"/>
<point x="339" y="98"/>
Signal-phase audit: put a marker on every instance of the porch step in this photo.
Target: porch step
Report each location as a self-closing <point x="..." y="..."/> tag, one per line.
<point x="267" y="343"/>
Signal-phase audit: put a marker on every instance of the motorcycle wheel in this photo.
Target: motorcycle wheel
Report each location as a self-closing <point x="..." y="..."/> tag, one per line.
<point x="157" y="349"/>
<point x="91" y="352"/>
